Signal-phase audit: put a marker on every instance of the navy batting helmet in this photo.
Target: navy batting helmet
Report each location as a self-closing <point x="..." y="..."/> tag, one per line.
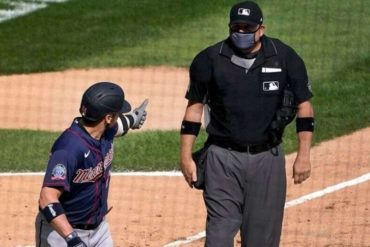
<point x="101" y="99"/>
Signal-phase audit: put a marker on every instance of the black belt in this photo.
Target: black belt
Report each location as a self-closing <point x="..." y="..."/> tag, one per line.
<point x="249" y="148"/>
<point x="85" y="226"/>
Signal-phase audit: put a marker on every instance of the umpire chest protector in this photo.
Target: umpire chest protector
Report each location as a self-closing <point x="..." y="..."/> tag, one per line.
<point x="244" y="95"/>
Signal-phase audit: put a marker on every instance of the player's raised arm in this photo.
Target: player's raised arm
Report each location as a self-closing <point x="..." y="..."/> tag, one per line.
<point x="132" y="120"/>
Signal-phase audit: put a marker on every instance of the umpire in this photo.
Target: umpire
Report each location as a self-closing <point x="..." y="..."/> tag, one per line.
<point x="250" y="87"/>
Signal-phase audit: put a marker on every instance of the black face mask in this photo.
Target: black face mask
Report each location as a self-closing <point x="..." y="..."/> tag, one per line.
<point x="243" y="40"/>
<point x="242" y="36"/>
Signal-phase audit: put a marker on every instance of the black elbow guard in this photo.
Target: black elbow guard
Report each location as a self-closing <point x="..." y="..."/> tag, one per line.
<point x="52" y="210"/>
<point x="190" y="128"/>
<point x="305" y="124"/>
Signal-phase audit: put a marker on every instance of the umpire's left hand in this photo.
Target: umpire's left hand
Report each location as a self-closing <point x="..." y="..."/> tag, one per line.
<point x="189" y="171"/>
<point x="301" y="169"/>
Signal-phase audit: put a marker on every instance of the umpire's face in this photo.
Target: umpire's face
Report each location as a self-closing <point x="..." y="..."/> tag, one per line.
<point x="242" y="33"/>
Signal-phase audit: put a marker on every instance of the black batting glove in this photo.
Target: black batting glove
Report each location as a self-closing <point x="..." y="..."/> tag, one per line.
<point x="138" y="115"/>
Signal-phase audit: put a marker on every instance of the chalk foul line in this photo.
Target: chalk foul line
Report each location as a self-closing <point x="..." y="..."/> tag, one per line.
<point x="127" y="174"/>
<point x="21" y="8"/>
<point x="291" y="203"/>
<point x="200" y="235"/>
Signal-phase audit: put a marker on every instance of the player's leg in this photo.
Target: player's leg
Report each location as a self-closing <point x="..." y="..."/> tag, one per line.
<point x="223" y="197"/>
<point x="101" y="237"/>
<point x="265" y="199"/>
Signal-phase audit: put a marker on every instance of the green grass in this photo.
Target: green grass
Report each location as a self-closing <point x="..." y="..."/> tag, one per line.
<point x="333" y="43"/>
<point x="140" y="33"/>
<point x="110" y="34"/>
<point x="25" y="150"/>
<point x="5" y="6"/>
<point x="28" y="150"/>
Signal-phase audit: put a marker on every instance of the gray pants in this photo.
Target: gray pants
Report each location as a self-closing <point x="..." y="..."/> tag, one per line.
<point x="244" y="192"/>
<point x="47" y="237"/>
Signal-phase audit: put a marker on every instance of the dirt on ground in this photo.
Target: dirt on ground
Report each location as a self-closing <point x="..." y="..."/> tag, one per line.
<point x="157" y="210"/>
<point x="49" y="101"/>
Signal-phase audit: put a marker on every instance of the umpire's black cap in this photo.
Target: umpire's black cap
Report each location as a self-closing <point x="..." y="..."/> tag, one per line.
<point x="246" y="12"/>
<point x="103" y="98"/>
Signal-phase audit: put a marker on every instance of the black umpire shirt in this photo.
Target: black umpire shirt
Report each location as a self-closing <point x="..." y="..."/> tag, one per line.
<point x="242" y="99"/>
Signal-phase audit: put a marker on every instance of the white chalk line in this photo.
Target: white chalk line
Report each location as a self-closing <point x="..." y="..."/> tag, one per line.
<point x="23" y="8"/>
<point x="291" y="203"/>
<point x="128" y="173"/>
<point x="328" y="190"/>
<point x="200" y="235"/>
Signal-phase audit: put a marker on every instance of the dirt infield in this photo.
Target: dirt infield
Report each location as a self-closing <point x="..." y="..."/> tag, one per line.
<point x="157" y="210"/>
<point x="49" y="101"/>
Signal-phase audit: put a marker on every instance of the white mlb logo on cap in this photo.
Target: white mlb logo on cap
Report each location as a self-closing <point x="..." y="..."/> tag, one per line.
<point x="242" y="11"/>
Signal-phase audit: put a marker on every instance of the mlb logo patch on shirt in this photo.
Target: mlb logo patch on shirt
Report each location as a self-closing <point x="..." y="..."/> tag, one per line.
<point x="59" y="172"/>
<point x="270" y="86"/>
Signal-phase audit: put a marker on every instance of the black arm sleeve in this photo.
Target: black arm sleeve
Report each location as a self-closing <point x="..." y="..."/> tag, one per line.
<point x="200" y="74"/>
<point x="124" y="123"/>
<point x="297" y="76"/>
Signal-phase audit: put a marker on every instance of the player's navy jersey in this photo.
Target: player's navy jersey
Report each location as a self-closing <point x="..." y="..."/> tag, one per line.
<point x="81" y="166"/>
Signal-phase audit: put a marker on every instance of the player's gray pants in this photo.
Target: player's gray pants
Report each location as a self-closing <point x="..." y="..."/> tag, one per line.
<point x="47" y="237"/>
<point x="244" y="192"/>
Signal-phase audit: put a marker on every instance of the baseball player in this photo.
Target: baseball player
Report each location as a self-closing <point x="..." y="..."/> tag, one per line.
<point x="252" y="86"/>
<point x="73" y="198"/>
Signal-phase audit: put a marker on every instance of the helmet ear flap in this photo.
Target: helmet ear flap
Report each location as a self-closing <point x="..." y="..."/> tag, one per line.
<point x="83" y="110"/>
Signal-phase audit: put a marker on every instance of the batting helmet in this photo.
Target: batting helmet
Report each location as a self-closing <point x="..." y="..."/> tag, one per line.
<point x="103" y="98"/>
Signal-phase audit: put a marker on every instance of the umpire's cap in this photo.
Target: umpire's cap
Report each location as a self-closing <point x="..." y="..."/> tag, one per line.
<point x="247" y="12"/>
<point x="101" y="99"/>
